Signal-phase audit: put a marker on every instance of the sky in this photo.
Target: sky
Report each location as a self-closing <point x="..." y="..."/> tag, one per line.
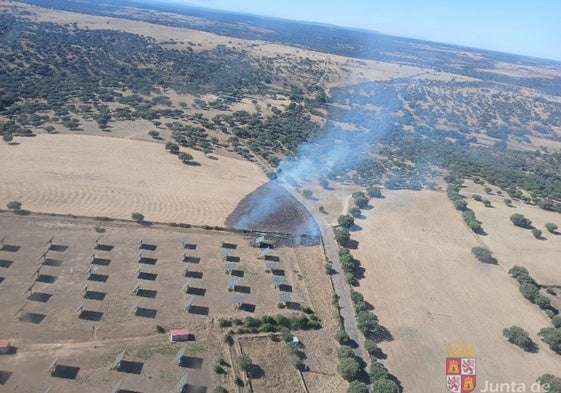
<point x="527" y="27"/>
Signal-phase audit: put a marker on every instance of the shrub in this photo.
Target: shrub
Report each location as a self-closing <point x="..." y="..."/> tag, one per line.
<point x="477" y="197"/>
<point x="460" y="204"/>
<point x="307" y="194"/>
<point x="552" y="337"/>
<point x="486" y="202"/>
<point x="551" y="227"/>
<point x="345" y="351"/>
<point x="542" y="301"/>
<point x="14" y="205"/>
<point x="346" y="220"/>
<point x="377" y="371"/>
<point x="507" y="201"/>
<point x="552" y="382"/>
<point x="357" y="387"/>
<point x="483" y="254"/>
<point x="385" y="386"/>
<point x="348" y="368"/>
<point x="374" y="192"/>
<point x="520" y="221"/>
<point x="138" y="217"/>
<point x="556" y="321"/>
<point x="355" y="212"/>
<point x="537" y="233"/>
<point x="342" y="337"/>
<point x="518" y="336"/>
<point x="220" y="389"/>
<point x="529" y="291"/>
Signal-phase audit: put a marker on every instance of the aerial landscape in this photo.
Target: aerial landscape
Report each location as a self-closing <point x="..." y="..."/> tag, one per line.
<point x="196" y="200"/>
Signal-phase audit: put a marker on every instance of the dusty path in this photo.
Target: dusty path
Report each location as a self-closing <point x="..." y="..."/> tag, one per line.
<point x="340" y="285"/>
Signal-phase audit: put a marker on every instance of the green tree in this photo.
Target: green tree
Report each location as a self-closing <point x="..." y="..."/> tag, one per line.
<point x="537" y="233"/>
<point x="307" y="194"/>
<point x="324" y="183"/>
<point x="172" y="147"/>
<point x="551" y="227"/>
<point x="507" y="201"/>
<point x="185" y="157"/>
<point x="342" y="236"/>
<point x="14" y="205"/>
<point x="245" y="363"/>
<point x="520" y="221"/>
<point x="374" y="192"/>
<point x="542" y="301"/>
<point x="367" y="323"/>
<point x="385" y="386"/>
<point x="357" y="387"/>
<point x="346" y="220"/>
<point x="550" y="383"/>
<point x="552" y="337"/>
<point x="220" y="389"/>
<point x="530" y="291"/>
<point x="556" y="321"/>
<point x="138" y="217"/>
<point x="377" y="372"/>
<point x="344" y="351"/>
<point x="348" y="368"/>
<point x="486" y="202"/>
<point x="518" y="336"/>
<point x="355" y="212"/>
<point x="153" y="133"/>
<point x="482" y="254"/>
<point x="516" y="271"/>
<point x="460" y="204"/>
<point x="360" y="199"/>
<point x="7" y="138"/>
<point x="477" y="197"/>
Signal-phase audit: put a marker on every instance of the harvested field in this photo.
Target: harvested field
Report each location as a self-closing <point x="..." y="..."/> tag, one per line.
<point x="512" y="245"/>
<point x="99" y="176"/>
<point x="430" y="292"/>
<point x="87" y="340"/>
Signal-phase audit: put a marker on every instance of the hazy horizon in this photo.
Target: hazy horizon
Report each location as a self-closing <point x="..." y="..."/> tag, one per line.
<point x="520" y="27"/>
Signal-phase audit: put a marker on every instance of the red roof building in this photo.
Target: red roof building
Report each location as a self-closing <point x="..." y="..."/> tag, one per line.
<point x="4" y="347"/>
<point x="179" y="335"/>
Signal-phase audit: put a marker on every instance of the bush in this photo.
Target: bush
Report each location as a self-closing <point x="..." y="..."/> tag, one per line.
<point x="477" y="197"/>
<point x="551" y="227"/>
<point x="346" y="220"/>
<point x="374" y="192"/>
<point x="460" y="204"/>
<point x="377" y="372"/>
<point x="530" y="291"/>
<point x="552" y="337"/>
<point x="218" y="369"/>
<point x="520" y="221"/>
<point x="385" y="386"/>
<point x="342" y="236"/>
<point x="348" y="368"/>
<point x="360" y="199"/>
<point x="355" y="212"/>
<point x="14" y="205"/>
<point x="483" y="255"/>
<point x="507" y="201"/>
<point x="138" y="217"/>
<point x="518" y="336"/>
<point x="516" y="271"/>
<point x="542" y="301"/>
<point x="556" y="321"/>
<point x="153" y="133"/>
<point x="225" y="322"/>
<point x="307" y="194"/>
<point x="486" y="202"/>
<point x="537" y="233"/>
<point x="357" y="387"/>
<point x="345" y="351"/>
<point x="552" y="382"/>
<point x="342" y="337"/>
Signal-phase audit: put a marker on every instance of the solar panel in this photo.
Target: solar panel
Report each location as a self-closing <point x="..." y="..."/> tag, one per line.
<point x="265" y="252"/>
<point x="180" y="354"/>
<point x="189" y="303"/>
<point x="233" y="282"/>
<point x="183" y="240"/>
<point x="226" y="252"/>
<point x="50" y="241"/>
<point x="139" y="256"/>
<point x="89" y="272"/>
<point x="117" y="387"/>
<point x="182" y="382"/>
<point x="53" y="365"/>
<point x="96" y="241"/>
<point x="135" y="289"/>
<point x="238" y="299"/>
<point x="79" y="309"/>
<point x="270" y="265"/>
<point x="186" y="286"/>
<point x="229" y="266"/>
<point x="37" y="272"/>
<point x="118" y="360"/>
<point x="284" y="297"/>
<point x="135" y="307"/>
<point x="84" y="290"/>
<point x="30" y="289"/>
<point x="260" y="240"/>
<point x="277" y="280"/>
<point x="20" y="310"/>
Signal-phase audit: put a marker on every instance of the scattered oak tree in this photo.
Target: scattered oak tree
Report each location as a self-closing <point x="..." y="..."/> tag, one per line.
<point x="520" y="221"/>
<point x="483" y="254"/>
<point x="518" y="336"/>
<point x="14" y="205"/>
<point x="551" y="227"/>
<point x="138" y="217"/>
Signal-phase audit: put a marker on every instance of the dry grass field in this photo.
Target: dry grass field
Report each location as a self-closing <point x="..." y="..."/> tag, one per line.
<point x="87" y="341"/>
<point x="101" y="176"/>
<point x="512" y="245"/>
<point x="430" y="292"/>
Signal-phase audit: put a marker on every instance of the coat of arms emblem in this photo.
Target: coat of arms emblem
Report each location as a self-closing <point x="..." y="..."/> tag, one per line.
<point x="460" y="369"/>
